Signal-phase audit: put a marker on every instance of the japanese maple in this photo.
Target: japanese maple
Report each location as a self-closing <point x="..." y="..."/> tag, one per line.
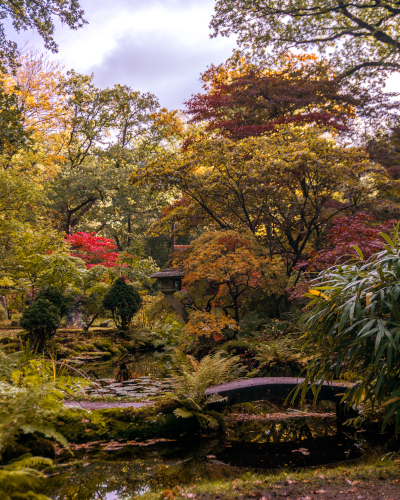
<point x="355" y="230"/>
<point x="360" y="230"/>
<point x="93" y="250"/>
<point x="221" y="268"/>
<point x="246" y="100"/>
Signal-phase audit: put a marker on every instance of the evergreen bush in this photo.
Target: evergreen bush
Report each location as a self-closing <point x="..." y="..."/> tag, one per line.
<point x="123" y="301"/>
<point x="42" y="318"/>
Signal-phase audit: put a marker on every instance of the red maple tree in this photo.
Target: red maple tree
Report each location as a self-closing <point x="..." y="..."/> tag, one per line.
<point x="250" y="101"/>
<point x="354" y="230"/>
<point x="93" y="250"/>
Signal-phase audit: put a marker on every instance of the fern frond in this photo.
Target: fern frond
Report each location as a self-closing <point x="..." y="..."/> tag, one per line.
<point x="183" y="413"/>
<point x="190" y="404"/>
<point x="192" y="377"/>
<point x="48" y="432"/>
<point x="28" y="462"/>
<point x="215" y="398"/>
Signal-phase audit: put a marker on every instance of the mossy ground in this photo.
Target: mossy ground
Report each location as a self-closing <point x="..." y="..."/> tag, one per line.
<point x="156" y="421"/>
<point x="75" y="344"/>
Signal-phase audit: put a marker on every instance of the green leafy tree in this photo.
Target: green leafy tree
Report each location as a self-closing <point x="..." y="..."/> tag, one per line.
<point x="37" y="15"/>
<point x="106" y="133"/>
<point x="363" y="35"/>
<point x="353" y="322"/>
<point x="123" y="301"/>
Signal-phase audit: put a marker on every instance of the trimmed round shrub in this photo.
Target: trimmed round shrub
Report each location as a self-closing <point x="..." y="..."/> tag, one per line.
<point x="56" y="297"/>
<point x="42" y="318"/>
<point x="123" y="301"/>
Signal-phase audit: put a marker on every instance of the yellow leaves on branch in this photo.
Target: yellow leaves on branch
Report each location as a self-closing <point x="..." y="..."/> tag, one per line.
<point x="36" y="86"/>
<point x="280" y="181"/>
<point x="202" y="323"/>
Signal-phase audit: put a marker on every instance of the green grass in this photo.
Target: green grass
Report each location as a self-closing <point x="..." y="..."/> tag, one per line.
<point x="372" y="471"/>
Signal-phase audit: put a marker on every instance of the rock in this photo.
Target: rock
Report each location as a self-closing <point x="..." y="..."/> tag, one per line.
<point x="14" y="323"/>
<point x="105" y="324"/>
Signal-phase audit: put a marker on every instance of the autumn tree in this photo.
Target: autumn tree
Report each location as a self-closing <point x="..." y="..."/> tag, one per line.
<point x="221" y="269"/>
<point x="13" y="134"/>
<point x="93" y="250"/>
<point x="284" y="187"/>
<point x="106" y="133"/>
<point x="339" y="245"/>
<point x="245" y="99"/>
<point x="362" y="34"/>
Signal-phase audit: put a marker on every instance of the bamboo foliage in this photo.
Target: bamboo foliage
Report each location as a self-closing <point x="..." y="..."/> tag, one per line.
<point x="354" y="323"/>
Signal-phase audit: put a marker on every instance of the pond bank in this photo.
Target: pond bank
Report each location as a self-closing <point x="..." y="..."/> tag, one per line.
<point x="371" y="479"/>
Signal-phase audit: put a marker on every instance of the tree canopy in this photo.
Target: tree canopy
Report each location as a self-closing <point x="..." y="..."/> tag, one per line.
<point x="38" y="15"/>
<point x="359" y="38"/>
<point x="247" y="99"/>
<point x="284" y="187"/>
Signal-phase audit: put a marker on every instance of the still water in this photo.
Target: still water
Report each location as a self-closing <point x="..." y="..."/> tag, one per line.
<point x="123" y="470"/>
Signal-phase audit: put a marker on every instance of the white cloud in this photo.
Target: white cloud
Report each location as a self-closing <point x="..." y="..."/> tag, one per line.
<point x="151" y="45"/>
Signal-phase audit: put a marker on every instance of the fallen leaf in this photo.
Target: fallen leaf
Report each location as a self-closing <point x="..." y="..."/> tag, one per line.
<point x="304" y="451"/>
<point x="320" y="491"/>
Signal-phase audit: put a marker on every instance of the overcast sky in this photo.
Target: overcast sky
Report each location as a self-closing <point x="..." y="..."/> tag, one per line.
<point x="160" y="46"/>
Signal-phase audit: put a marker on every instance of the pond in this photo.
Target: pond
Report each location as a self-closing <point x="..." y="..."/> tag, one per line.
<point x="270" y="438"/>
<point x="122" y="470"/>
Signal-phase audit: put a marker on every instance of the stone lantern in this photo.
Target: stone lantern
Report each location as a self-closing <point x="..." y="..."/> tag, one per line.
<point x="171" y="282"/>
<point x="170" y="279"/>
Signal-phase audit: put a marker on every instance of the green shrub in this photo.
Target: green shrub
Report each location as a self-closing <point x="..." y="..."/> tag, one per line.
<point x="42" y="318"/>
<point x="123" y="301"/>
<point x="25" y="410"/>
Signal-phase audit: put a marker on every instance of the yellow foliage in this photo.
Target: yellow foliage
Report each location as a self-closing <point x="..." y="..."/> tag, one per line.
<point x="206" y="324"/>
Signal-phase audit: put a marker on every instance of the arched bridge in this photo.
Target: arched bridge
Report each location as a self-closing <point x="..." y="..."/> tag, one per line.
<point x="275" y="389"/>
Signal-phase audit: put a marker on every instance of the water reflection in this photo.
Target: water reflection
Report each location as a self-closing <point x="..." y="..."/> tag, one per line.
<point x="133" y="470"/>
<point x="155" y="364"/>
